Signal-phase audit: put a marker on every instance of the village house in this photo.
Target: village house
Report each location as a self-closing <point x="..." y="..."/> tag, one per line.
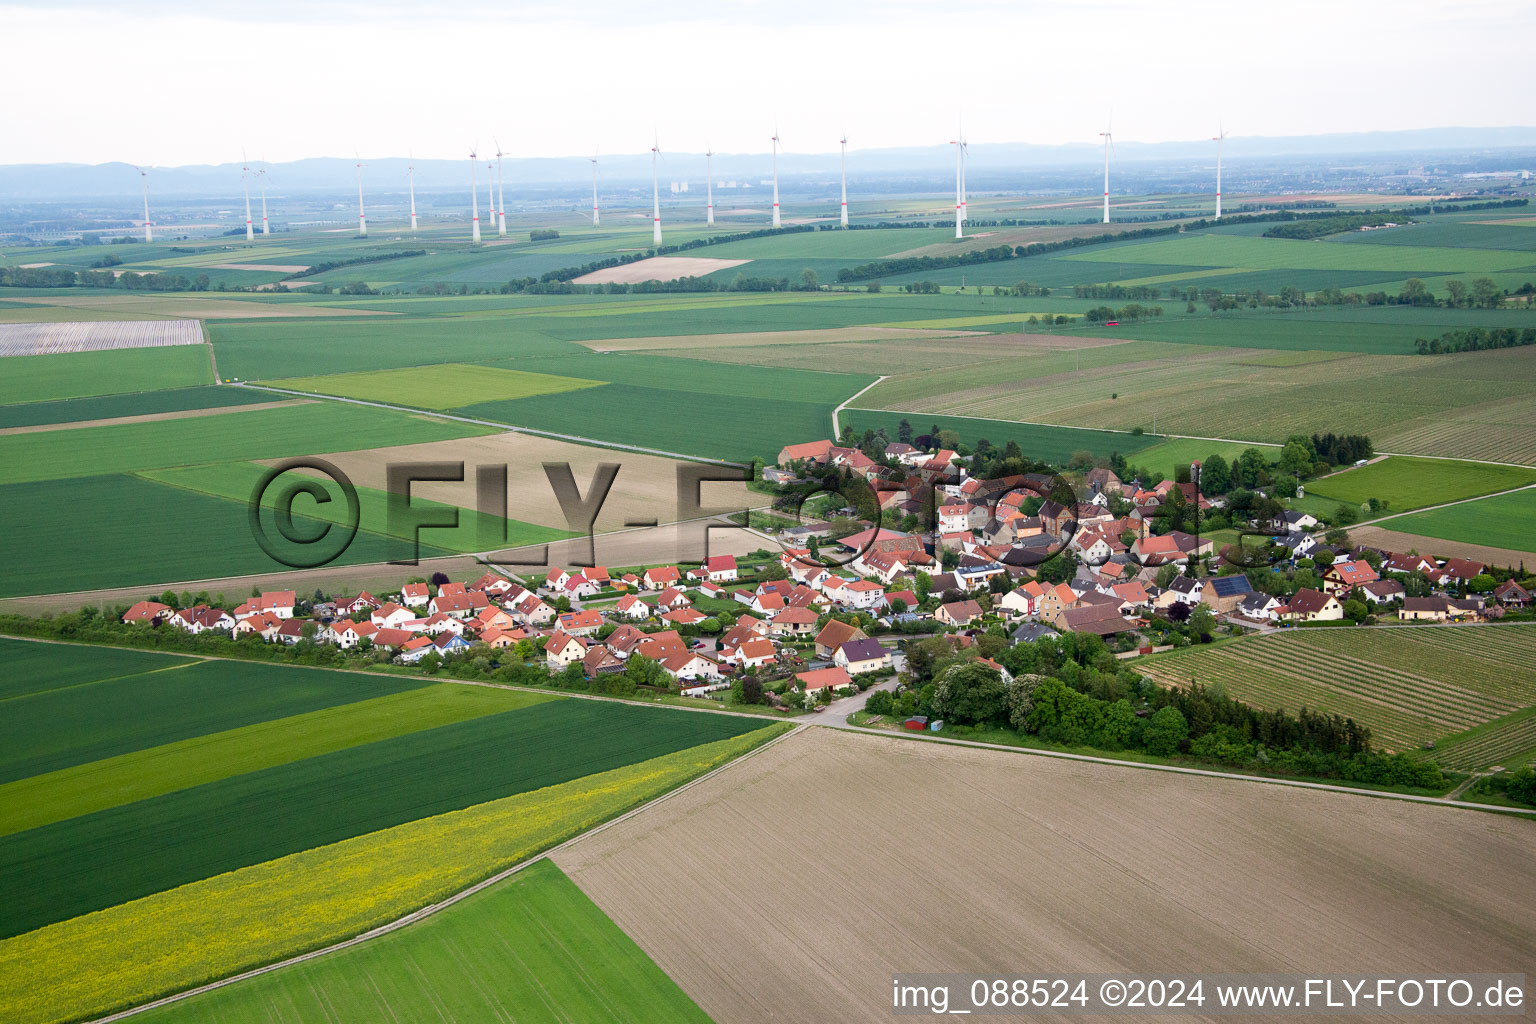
<point x="581" y="623"/>
<point x="562" y="649"/>
<point x="661" y="577"/>
<point x="1425" y="609"/>
<point x="1342" y="577"/>
<point x="794" y="622"/>
<point x="958" y="613"/>
<point x="835" y="679"/>
<point x="833" y="635"/>
<point x="632" y="608"/>
<point x="1380" y="591"/>
<point x="861" y="656"/>
<point x="1308" y="605"/>
<point x="148" y="611"/>
<point x="415" y="595"/>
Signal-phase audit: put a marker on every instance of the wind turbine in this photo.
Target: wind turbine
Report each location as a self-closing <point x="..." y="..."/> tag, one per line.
<point x="501" y="196"/>
<point x="362" y="216"/>
<point x="410" y="176"/>
<point x="593" y="158"/>
<point x="245" y="182"/>
<point x="1220" y="134"/>
<point x="149" y="234"/>
<point x="959" y="188"/>
<point x="1107" y="136"/>
<point x="965" y="151"/>
<point x="655" y="195"/>
<point x="775" y="175"/>
<point x="490" y="191"/>
<point x="474" y="199"/>
<point x="261" y="180"/>
<point x="844" y="143"/>
<point x="709" y="186"/>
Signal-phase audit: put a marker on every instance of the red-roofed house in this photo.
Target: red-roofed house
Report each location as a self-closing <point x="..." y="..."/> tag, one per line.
<point x="835" y="679"/>
<point x="721" y="568"/>
<point x="147" y="611"/>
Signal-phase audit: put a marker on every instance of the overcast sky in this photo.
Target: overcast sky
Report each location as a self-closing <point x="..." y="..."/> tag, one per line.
<point x="167" y="83"/>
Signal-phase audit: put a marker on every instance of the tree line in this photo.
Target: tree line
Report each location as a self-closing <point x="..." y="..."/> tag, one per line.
<point x="1476" y="339"/>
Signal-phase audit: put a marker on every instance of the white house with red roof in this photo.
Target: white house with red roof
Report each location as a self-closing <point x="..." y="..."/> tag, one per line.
<point x="415" y="595"/>
<point x="661" y="577"/>
<point x="722" y="568"/>
<point x="671" y="599"/>
<point x="632" y="608"/>
<point x="561" y="649"/>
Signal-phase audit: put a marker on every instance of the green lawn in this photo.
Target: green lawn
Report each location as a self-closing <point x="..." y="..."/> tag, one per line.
<point x="1503" y="521"/>
<point x="112" y="372"/>
<point x="141" y="774"/>
<point x="1407" y="483"/>
<point x="176" y="838"/>
<point x="443" y="386"/>
<point x="532" y="949"/>
<point x="1180" y="451"/>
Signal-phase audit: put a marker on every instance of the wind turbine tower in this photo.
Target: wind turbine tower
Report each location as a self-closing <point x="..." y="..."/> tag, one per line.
<point x="959" y="190"/>
<point x="410" y="176"/>
<point x="775" y="176"/>
<point x="501" y="196"/>
<point x="149" y="234"/>
<point x="474" y="200"/>
<point x="245" y="181"/>
<point x="593" y="158"/>
<point x="1220" y="134"/>
<point x="655" y="196"/>
<point x="490" y="191"/>
<point x="709" y="186"/>
<point x="362" y="216"/>
<point x="261" y="180"/>
<point x="1107" y="136"/>
<point x="844" y="144"/>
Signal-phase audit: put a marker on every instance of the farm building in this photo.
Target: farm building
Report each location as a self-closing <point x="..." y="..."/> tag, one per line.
<point x="1225" y="593"/>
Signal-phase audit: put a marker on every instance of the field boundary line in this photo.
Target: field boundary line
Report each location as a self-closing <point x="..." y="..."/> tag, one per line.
<point x="1439" y="801"/>
<point x="192" y="659"/>
<point x="443" y="904"/>
<point x="850" y="400"/>
<point x="574" y="438"/>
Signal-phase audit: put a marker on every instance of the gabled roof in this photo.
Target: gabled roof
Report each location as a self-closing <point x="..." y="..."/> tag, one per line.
<point x="867" y="649"/>
<point x="1231" y="586"/>
<point x="1308" y="602"/>
<point x="821" y="678"/>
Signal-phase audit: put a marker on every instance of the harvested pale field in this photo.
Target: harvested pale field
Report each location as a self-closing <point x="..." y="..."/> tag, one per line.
<point x="900" y="356"/>
<point x="150" y="417"/>
<point x="1391" y="540"/>
<point x="658" y="268"/>
<point x="276" y="268"/>
<point x="799" y="880"/>
<point x="199" y="307"/>
<point x="42" y="339"/>
<point x="830" y="335"/>
<point x="644" y="491"/>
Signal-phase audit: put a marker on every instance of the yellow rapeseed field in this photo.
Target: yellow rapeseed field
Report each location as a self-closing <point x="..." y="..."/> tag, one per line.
<point x="174" y="940"/>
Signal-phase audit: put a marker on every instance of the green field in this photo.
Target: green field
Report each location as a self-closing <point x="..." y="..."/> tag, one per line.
<point x="33" y="667"/>
<point x="533" y="949"/>
<point x="1205" y="249"/>
<point x="318" y="426"/>
<point x="113" y="781"/>
<point x="166" y="841"/>
<point x="1168" y="456"/>
<point x="1410" y="483"/>
<point x="135" y="531"/>
<point x="1409" y="686"/>
<point x="1052" y="444"/>
<point x="77" y="410"/>
<point x="1503" y="521"/>
<point x="441" y="386"/>
<point x="113" y="372"/>
<point x="70" y="725"/>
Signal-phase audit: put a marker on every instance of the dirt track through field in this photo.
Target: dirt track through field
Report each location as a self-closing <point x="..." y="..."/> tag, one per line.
<point x="150" y="417"/>
<point x="1392" y="540"/>
<point x="793" y="886"/>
